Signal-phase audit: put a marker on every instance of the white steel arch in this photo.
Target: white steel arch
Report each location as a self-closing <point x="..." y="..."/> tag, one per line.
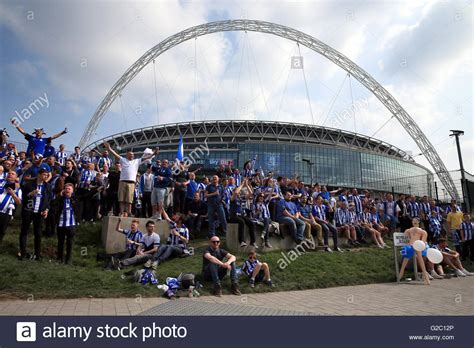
<point x="291" y="34"/>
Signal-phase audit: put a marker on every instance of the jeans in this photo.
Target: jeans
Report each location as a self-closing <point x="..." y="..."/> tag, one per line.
<point x="65" y="234"/>
<point x="137" y="259"/>
<point x="467" y="249"/>
<point x="326" y="228"/>
<point x="360" y="233"/>
<point x="212" y="210"/>
<point x="26" y="219"/>
<point x="266" y="224"/>
<point x="179" y="196"/>
<point x="242" y="221"/>
<point x="393" y="221"/>
<point x="296" y="227"/>
<point x="147" y="208"/>
<point x="216" y="273"/>
<point x="167" y="252"/>
<point x="194" y="223"/>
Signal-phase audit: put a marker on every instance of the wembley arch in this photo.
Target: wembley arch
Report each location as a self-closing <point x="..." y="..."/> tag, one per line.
<point x="301" y="38"/>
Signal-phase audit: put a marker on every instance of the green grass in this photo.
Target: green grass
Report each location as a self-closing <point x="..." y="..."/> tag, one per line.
<point x="86" y="277"/>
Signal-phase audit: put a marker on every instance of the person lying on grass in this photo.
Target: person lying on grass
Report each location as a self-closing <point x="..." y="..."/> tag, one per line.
<point x="256" y="270"/>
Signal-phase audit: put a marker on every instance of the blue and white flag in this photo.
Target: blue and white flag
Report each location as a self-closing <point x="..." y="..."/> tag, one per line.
<point x="180" y="153"/>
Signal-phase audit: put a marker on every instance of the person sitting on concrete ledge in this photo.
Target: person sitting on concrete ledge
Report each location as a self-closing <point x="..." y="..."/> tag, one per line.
<point x="261" y="216"/>
<point x="319" y="214"/>
<point x="377" y="221"/>
<point x="237" y="216"/>
<point x="134" y="237"/>
<point x="177" y="243"/>
<point x="366" y="222"/>
<point x="256" y="270"/>
<point x="148" y="248"/>
<point x="197" y="213"/>
<point x="287" y="214"/>
<point x="213" y="267"/>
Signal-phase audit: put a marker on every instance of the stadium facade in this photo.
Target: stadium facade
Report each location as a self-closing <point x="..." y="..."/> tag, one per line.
<point x="332" y="157"/>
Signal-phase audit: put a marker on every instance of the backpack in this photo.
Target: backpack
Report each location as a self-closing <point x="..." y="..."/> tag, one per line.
<point x="186" y="280"/>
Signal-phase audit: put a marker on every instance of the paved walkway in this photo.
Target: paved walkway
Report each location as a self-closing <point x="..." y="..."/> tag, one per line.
<point x="443" y="297"/>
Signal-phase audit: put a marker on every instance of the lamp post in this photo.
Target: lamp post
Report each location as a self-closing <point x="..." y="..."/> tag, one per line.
<point x="457" y="134"/>
<point x="310" y="164"/>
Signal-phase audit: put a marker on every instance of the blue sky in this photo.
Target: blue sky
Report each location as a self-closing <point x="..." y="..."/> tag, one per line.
<point x="75" y="51"/>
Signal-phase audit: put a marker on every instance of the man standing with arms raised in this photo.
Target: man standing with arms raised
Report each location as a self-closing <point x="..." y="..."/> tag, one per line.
<point x="128" y="177"/>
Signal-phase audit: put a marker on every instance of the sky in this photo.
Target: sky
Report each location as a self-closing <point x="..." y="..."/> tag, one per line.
<point x="65" y="56"/>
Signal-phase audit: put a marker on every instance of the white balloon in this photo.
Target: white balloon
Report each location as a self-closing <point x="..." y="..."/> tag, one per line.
<point x="434" y="255"/>
<point x="419" y="245"/>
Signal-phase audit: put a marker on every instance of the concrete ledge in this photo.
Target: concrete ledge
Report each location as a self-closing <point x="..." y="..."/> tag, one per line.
<point x="114" y="242"/>
<point x="277" y="242"/>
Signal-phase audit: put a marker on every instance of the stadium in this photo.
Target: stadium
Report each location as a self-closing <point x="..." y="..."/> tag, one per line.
<point x="315" y="153"/>
<point x="333" y="157"/>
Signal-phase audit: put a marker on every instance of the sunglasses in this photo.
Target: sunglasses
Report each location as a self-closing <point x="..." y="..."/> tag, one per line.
<point x="215" y="241"/>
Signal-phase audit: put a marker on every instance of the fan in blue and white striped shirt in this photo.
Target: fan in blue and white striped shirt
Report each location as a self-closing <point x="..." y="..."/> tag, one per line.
<point x="61" y="155"/>
<point x="202" y="188"/>
<point x="467" y="230"/>
<point x="357" y="200"/>
<point x="176" y="238"/>
<point x="87" y="176"/>
<point x="413" y="208"/>
<point x="67" y="219"/>
<point x="435" y="224"/>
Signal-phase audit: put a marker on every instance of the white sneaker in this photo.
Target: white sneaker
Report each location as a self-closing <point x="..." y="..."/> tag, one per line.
<point x="420" y="275"/>
<point x="459" y="273"/>
<point x="466" y="272"/>
<point x="435" y="275"/>
<point x="254" y="245"/>
<point x="262" y="236"/>
<point x="243" y="244"/>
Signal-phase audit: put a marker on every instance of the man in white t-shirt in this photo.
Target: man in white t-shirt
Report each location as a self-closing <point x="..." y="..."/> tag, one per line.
<point x="128" y="177"/>
<point x="147" y="250"/>
<point x="391" y="210"/>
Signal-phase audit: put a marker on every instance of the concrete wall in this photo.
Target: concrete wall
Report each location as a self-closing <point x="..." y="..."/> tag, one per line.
<point x="114" y="241"/>
<point x="285" y="242"/>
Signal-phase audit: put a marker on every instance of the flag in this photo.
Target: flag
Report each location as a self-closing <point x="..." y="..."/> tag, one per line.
<point x="180" y="153"/>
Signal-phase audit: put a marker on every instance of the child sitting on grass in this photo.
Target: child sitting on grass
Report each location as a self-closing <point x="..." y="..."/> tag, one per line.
<point x="256" y="270"/>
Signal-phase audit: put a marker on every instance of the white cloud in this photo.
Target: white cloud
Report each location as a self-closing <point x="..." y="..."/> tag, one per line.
<point x="112" y="37"/>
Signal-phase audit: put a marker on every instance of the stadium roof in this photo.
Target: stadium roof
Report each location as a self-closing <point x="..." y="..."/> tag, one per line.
<point x="231" y="132"/>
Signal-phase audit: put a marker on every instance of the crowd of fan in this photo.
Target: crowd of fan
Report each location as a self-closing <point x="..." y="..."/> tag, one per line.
<point x="63" y="190"/>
